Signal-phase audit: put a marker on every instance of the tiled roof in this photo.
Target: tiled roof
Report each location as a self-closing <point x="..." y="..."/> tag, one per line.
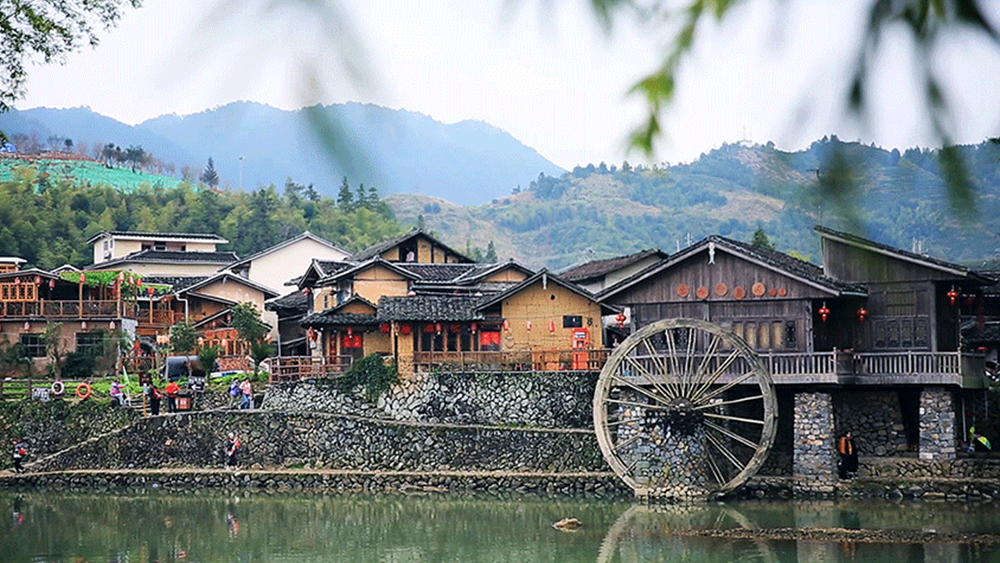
<point x="899" y="252"/>
<point x="437" y="272"/>
<point x="598" y="268"/>
<point x="161" y="256"/>
<point x="330" y="318"/>
<point x="431" y="308"/>
<point x="379" y="248"/>
<point x="176" y="283"/>
<point x="293" y="302"/>
<point x="209" y="237"/>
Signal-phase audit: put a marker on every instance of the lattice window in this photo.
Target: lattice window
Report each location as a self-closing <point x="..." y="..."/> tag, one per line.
<point x="18" y="292"/>
<point x="33" y="344"/>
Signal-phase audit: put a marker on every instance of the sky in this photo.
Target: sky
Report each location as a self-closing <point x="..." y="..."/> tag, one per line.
<point x="544" y="71"/>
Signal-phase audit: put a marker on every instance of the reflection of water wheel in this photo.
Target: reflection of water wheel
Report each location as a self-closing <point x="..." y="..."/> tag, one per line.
<point x="671" y="533"/>
<point x="684" y="409"/>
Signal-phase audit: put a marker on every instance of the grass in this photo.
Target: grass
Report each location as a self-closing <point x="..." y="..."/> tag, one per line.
<point x="81" y="172"/>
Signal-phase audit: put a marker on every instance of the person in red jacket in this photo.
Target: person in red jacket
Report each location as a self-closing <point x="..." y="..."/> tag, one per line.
<point x="171" y="390"/>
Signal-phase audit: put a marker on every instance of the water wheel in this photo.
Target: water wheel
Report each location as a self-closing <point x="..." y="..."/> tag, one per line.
<point x="684" y="409"/>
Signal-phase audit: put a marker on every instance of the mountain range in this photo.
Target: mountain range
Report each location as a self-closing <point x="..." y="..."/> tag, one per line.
<point x="254" y="145"/>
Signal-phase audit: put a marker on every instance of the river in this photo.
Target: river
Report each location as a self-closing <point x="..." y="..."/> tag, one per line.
<point x="212" y="527"/>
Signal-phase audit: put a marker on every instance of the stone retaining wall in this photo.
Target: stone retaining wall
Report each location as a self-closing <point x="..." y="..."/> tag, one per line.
<point x="597" y="486"/>
<point x="874" y="419"/>
<point x="542" y="400"/>
<point x="272" y="439"/>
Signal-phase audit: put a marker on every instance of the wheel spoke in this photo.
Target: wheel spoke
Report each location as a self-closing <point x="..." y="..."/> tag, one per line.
<point x="732" y="435"/>
<point x="628" y="442"/>
<point x="730" y="456"/>
<point x="649" y="377"/>
<point x="731" y="402"/>
<point x="650" y="394"/>
<point x="734" y="418"/>
<point x="688" y="375"/>
<point x="621" y="421"/>
<point x="703" y="367"/>
<point x="716" y="472"/>
<point x="726" y="387"/>
<point x="641" y="405"/>
<point x="671" y="390"/>
<point x="719" y="371"/>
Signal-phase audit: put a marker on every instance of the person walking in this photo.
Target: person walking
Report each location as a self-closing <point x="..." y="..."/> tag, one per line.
<point x="247" y="394"/>
<point x="154" y="399"/>
<point x="848" y="466"/>
<point x="235" y="393"/>
<point x="172" y="390"/>
<point x="19" y="453"/>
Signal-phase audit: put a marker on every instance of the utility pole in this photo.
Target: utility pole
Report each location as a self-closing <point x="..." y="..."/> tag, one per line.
<point x="240" y="158"/>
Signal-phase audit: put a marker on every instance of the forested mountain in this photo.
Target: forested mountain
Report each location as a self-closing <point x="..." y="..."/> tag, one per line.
<point x="47" y="220"/>
<point x="395" y="151"/>
<point x="601" y="211"/>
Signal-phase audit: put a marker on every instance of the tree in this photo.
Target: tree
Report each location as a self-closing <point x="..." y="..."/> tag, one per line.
<point x="760" y="240"/>
<point x="210" y="177"/>
<point x="183" y="338"/>
<point x="252" y="330"/>
<point x="345" y="199"/>
<point x="52" y="337"/>
<point x="491" y="253"/>
<point x="48" y="30"/>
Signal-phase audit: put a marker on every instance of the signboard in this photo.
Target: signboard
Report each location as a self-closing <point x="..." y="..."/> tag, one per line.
<point x="40" y="393"/>
<point x="197" y="383"/>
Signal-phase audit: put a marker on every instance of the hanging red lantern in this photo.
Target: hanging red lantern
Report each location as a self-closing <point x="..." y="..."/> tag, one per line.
<point x="506" y="325"/>
<point x="83" y="277"/>
<point x="350" y="332"/>
<point x="17" y="281"/>
<point x="952" y="295"/>
<point x="473" y="328"/>
<point x="149" y="290"/>
<point x="437" y="328"/>
<point x="620" y="318"/>
<point x="528" y="325"/>
<point x="138" y="282"/>
<point x="552" y="326"/>
<point x="38" y="280"/>
<point x="384" y="327"/>
<point x="823" y="312"/>
<point x="862" y="314"/>
<point x="312" y="334"/>
<point x="52" y="284"/>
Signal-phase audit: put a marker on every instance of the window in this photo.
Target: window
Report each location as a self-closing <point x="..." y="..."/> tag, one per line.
<point x="160" y="246"/>
<point x="33" y="344"/>
<point x="572" y="321"/>
<point x="90" y="343"/>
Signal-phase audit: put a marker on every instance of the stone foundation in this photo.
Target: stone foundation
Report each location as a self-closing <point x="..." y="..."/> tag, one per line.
<point x="938" y="439"/>
<point x="814" y="464"/>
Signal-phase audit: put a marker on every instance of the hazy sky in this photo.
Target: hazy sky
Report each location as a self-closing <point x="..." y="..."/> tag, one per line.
<point x="542" y="70"/>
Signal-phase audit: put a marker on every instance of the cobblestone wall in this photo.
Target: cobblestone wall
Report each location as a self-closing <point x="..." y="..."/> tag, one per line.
<point x="937" y="424"/>
<point x="874" y="419"/>
<point x="814" y="465"/>
<point x="273" y="439"/>
<point x="545" y="400"/>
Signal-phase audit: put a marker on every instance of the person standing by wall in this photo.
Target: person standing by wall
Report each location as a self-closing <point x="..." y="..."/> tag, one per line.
<point x="848" y="466"/>
<point x="19" y="453"/>
<point x="172" y="390"/>
<point x="232" y="447"/>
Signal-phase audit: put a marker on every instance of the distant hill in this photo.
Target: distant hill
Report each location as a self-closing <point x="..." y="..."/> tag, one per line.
<point x="598" y="212"/>
<point x="396" y="151"/>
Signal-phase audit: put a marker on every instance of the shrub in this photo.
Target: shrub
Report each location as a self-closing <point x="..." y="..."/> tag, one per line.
<point x="371" y="373"/>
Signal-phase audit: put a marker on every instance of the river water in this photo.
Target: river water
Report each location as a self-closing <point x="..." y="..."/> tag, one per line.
<point x="212" y="527"/>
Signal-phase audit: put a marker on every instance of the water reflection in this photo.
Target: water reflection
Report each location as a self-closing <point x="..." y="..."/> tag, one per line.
<point x="54" y="527"/>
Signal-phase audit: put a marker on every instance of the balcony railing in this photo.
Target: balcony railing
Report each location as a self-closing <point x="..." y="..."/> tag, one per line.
<point x="66" y="309"/>
<point x="294" y="368"/>
<point x="524" y="360"/>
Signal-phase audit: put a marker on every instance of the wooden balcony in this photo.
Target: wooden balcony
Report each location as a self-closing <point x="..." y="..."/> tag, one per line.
<point x="294" y="368"/>
<point x="58" y="310"/>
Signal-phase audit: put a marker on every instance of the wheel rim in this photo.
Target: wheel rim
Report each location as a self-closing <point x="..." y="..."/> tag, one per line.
<point x="684" y="409"/>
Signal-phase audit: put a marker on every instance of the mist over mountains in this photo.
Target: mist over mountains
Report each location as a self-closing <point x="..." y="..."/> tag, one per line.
<point x="396" y="151"/>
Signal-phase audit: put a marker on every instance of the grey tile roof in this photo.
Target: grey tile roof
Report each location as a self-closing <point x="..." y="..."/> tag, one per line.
<point x="176" y="283"/>
<point x="295" y="301"/>
<point x="331" y="318"/>
<point x="437" y="272"/>
<point x="174" y="256"/>
<point x="428" y="308"/>
<point x="598" y="268"/>
<point x="379" y="248"/>
<point x="210" y="237"/>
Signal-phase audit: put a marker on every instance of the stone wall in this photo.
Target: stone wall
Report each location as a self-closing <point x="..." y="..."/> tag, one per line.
<point x="937" y="424"/>
<point x="814" y="465"/>
<point x="272" y="439"/>
<point x="874" y="419"/>
<point x="543" y="400"/>
<point x="518" y="485"/>
<point x="47" y="427"/>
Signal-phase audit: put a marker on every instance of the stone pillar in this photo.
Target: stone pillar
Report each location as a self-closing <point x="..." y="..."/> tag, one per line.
<point x="814" y="464"/>
<point x="937" y="424"/>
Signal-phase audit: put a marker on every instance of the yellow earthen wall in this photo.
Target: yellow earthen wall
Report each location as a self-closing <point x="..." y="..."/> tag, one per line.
<point x="540" y="306"/>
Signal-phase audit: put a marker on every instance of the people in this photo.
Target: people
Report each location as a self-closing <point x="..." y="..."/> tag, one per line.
<point x="172" y="389"/>
<point x="848" y="465"/>
<point x="117" y="394"/>
<point x="232" y="445"/>
<point x="235" y="392"/>
<point x="247" y="394"/>
<point x="154" y="399"/>
<point x="20" y="452"/>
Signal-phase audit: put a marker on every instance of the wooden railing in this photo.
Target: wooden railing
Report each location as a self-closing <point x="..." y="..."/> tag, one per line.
<point x="294" y="368"/>
<point x="66" y="309"/>
<point x="521" y="360"/>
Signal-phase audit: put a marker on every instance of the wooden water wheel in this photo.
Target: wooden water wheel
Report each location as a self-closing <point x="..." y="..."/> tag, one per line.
<point x="684" y="409"/>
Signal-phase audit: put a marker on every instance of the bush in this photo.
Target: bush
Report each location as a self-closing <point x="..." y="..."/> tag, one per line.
<point x="78" y="366"/>
<point x="371" y="373"/>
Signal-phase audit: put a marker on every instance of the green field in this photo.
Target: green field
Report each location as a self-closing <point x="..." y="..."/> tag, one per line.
<point x="80" y="172"/>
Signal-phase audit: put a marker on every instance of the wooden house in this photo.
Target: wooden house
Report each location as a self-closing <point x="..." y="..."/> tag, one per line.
<point x="875" y="330"/>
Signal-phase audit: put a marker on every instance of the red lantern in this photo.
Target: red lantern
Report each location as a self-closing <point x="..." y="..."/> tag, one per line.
<point x="528" y="325"/>
<point x="384" y="327"/>
<point x="83" y="277"/>
<point x="138" y="282"/>
<point x="620" y="317"/>
<point x="312" y="334"/>
<point x="17" y="281"/>
<point x="823" y="312"/>
<point x="506" y="325"/>
<point x="473" y="328"/>
<point x="552" y="326"/>
<point x="149" y="290"/>
<point x="52" y="284"/>
<point x="862" y="314"/>
<point x="952" y="295"/>
<point x="437" y="328"/>
<point x="38" y="280"/>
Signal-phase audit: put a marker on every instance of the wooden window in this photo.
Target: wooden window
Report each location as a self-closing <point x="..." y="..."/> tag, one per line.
<point x="900" y="303"/>
<point x="33" y="344"/>
<point x="764" y="336"/>
<point x="90" y="343"/>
